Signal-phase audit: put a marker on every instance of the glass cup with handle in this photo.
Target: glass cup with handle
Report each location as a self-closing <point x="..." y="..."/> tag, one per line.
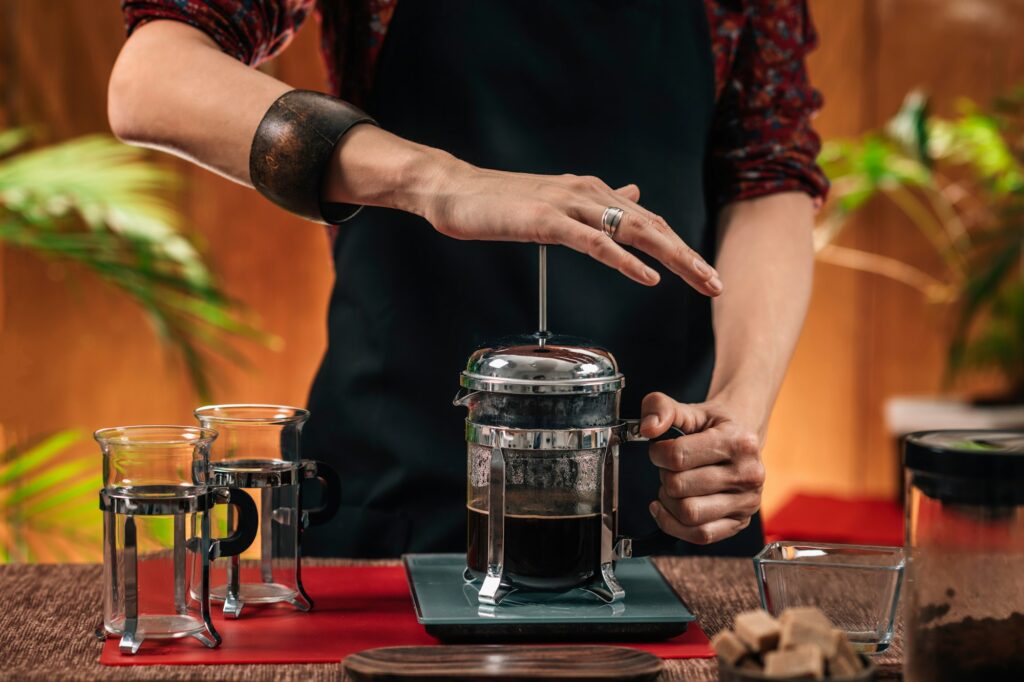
<point x="156" y="501"/>
<point x="259" y="450"/>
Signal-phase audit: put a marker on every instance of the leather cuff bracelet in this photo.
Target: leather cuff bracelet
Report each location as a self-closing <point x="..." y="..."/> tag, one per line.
<point x="292" y="147"/>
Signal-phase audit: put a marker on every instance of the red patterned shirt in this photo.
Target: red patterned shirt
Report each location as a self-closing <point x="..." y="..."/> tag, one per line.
<point x="762" y="141"/>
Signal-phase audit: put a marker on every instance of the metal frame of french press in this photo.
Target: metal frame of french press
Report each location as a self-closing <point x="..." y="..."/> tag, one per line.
<point x="498" y="439"/>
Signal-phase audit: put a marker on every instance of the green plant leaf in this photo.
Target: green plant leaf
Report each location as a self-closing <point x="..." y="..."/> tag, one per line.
<point x="45" y="481"/>
<point x="16" y="466"/>
<point x="909" y="127"/>
<point x="14" y="138"/>
<point x="87" y="488"/>
<point x="103" y="205"/>
<point x="48" y="502"/>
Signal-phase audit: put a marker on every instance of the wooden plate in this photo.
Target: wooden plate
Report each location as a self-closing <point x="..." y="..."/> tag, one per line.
<point x="502" y="662"/>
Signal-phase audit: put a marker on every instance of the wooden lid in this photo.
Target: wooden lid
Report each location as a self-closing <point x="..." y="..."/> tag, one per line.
<point x="502" y="662"/>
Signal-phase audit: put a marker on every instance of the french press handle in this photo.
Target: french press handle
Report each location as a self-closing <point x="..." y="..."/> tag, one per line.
<point x="248" y="523"/>
<point x="630" y="433"/>
<point x="330" y="495"/>
<point x="626" y="547"/>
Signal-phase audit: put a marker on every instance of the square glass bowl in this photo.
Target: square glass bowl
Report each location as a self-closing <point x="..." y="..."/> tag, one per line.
<point x="857" y="586"/>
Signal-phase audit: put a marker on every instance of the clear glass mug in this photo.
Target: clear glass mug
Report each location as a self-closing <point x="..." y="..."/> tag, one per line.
<point x="156" y="502"/>
<point x="259" y="450"/>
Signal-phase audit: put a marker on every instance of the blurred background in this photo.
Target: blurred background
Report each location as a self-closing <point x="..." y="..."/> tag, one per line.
<point x="134" y="287"/>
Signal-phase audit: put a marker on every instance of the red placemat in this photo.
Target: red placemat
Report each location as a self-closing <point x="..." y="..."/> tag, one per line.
<point x="823" y="518"/>
<point x="357" y="608"/>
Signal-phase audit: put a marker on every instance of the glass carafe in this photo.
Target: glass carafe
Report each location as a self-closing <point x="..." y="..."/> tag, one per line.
<point x="542" y="436"/>
<point x="964" y="603"/>
<point x="156" y="504"/>
<point x="259" y="450"/>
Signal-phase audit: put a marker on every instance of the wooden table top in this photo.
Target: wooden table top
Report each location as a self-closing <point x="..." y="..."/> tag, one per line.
<point x="49" y="613"/>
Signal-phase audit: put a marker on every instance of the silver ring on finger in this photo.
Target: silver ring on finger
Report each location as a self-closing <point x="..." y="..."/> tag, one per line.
<point x="610" y="220"/>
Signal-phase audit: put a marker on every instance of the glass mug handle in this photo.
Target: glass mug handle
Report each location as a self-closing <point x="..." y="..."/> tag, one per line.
<point x="330" y="497"/>
<point x="248" y="523"/>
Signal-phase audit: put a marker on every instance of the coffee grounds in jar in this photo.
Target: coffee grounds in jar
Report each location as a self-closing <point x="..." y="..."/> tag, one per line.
<point x="971" y="649"/>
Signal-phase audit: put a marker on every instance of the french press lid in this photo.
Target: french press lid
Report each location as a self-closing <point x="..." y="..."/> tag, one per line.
<point x="542" y="363"/>
<point x="968" y="467"/>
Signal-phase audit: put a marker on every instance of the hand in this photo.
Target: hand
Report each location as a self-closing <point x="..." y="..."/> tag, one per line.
<point x="475" y="203"/>
<point x="711" y="478"/>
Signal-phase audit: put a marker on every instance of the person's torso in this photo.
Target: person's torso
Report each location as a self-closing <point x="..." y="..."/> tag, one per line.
<point x="622" y="90"/>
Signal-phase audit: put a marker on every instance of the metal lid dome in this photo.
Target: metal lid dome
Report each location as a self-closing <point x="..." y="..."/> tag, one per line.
<point x="542" y="363"/>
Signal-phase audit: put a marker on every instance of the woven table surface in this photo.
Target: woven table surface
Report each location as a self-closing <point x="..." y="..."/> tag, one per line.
<point x="50" y="611"/>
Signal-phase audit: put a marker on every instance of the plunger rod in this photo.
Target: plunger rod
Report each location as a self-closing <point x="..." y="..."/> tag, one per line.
<point x="542" y="293"/>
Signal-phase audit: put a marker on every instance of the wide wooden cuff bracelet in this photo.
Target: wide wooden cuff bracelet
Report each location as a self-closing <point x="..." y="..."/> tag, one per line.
<point x="292" y="147"/>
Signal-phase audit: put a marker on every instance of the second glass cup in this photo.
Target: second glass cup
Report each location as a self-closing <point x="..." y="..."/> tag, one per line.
<point x="259" y="450"/>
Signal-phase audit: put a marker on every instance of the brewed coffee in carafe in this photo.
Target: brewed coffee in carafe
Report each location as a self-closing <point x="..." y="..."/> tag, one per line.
<point x="552" y="529"/>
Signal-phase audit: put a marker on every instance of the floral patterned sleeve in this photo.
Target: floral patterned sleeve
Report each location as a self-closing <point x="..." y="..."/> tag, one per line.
<point x="762" y="141"/>
<point x="251" y="31"/>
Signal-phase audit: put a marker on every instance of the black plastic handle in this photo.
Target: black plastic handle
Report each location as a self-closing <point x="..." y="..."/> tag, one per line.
<point x="330" y="496"/>
<point x="248" y="524"/>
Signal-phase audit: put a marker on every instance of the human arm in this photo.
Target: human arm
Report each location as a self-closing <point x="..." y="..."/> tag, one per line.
<point x="711" y="481"/>
<point x="173" y="88"/>
<point x="763" y="172"/>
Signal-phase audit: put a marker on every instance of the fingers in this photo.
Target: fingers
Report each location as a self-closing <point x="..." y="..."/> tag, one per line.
<point x="657" y="414"/>
<point x="597" y="245"/>
<point x="655" y="238"/>
<point x="706" y="480"/>
<point x="630" y="191"/>
<point x="696" y="511"/>
<point x="702" y="534"/>
<point x="643" y="230"/>
<point x="690" y="452"/>
<point x="649" y="233"/>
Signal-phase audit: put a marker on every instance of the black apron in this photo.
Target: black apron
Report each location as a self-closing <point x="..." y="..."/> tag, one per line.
<point x="619" y="89"/>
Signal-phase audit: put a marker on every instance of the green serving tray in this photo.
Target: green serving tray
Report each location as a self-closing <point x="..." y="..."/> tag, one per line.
<point x="447" y="606"/>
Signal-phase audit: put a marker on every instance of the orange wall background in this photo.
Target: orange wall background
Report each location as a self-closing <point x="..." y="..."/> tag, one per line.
<point x="75" y="353"/>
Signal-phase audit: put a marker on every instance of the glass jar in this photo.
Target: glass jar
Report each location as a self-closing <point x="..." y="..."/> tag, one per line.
<point x="156" y="533"/>
<point x="964" y="608"/>
<point x="259" y="450"/>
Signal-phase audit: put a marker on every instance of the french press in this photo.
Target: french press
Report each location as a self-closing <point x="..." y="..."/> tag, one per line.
<point x="156" y="502"/>
<point x="543" y="435"/>
<point x="259" y="449"/>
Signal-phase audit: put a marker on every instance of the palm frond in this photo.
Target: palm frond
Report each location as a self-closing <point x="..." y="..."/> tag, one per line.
<point x="103" y="205"/>
<point x="48" y="502"/>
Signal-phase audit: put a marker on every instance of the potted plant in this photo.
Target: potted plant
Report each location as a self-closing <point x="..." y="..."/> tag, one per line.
<point x="960" y="182"/>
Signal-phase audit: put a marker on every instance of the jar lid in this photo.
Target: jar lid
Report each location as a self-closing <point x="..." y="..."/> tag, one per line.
<point x="966" y="454"/>
<point x="542" y="364"/>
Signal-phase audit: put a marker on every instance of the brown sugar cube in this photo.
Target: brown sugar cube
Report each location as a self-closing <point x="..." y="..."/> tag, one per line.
<point x="808" y="614"/>
<point x="758" y="630"/>
<point x="845" y="662"/>
<point x="729" y="647"/>
<point x="802" y="661"/>
<point x="797" y="631"/>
